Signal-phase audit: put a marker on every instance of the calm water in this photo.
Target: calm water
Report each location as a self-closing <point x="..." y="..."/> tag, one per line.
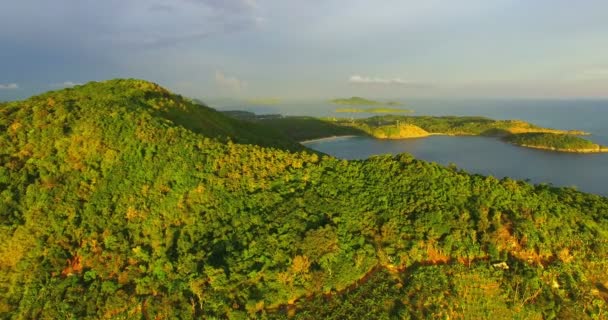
<point x="490" y="156"/>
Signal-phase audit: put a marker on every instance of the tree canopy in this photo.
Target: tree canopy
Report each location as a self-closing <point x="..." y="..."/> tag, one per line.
<point x="119" y="199"/>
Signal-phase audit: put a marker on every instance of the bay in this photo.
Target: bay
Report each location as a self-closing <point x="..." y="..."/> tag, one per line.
<point x="483" y="155"/>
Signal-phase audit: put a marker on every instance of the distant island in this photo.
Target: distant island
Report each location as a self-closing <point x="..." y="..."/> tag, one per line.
<point x="358" y="101"/>
<point x="372" y="110"/>
<point x="555" y="142"/>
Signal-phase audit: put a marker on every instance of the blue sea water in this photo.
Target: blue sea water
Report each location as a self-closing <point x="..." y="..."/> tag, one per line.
<point x="488" y="156"/>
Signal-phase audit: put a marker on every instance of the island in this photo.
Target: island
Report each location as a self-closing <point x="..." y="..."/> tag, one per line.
<point x="358" y="101"/>
<point x="372" y="110"/>
<point x="391" y="126"/>
<point x="555" y="142"/>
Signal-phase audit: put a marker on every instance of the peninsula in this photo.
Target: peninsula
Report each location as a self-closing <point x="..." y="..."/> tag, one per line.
<point x="555" y="142"/>
<point x="387" y="126"/>
<point x="517" y="132"/>
<point x="373" y="110"/>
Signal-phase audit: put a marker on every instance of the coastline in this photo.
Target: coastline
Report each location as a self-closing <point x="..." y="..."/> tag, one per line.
<point x="327" y="138"/>
<point x="582" y="151"/>
<point x="595" y="150"/>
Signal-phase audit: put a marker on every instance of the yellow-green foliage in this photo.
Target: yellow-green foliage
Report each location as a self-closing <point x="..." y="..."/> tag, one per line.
<point x="394" y="131"/>
<point x="553" y="141"/>
<point x="452" y="125"/>
<point x="401" y="127"/>
<point x="305" y="128"/>
<point x="121" y="200"/>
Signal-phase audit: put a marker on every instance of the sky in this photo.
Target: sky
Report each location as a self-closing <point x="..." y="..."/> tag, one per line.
<point x="292" y="49"/>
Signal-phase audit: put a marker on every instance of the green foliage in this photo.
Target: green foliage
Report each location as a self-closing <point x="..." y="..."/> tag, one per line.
<point x="121" y="200"/>
<point x="372" y="110"/>
<point x="553" y="141"/>
<point x="451" y="125"/>
<point x="306" y="128"/>
<point x="400" y="127"/>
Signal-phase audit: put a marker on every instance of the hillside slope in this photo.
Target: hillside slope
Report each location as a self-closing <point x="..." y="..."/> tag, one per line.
<point x="116" y="96"/>
<point x="555" y="142"/>
<point x="108" y="209"/>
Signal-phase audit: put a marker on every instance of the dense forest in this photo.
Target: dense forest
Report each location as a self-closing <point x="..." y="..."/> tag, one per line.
<point x="301" y="128"/>
<point x="119" y="199"/>
<point x="451" y="125"/>
<point x="560" y="142"/>
<point x="403" y="127"/>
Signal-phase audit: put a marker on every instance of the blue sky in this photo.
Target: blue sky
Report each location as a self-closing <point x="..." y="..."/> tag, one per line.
<point x="310" y="49"/>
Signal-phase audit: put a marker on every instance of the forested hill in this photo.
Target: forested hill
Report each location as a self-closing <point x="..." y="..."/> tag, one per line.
<point x="121" y="200"/>
<point x="114" y="97"/>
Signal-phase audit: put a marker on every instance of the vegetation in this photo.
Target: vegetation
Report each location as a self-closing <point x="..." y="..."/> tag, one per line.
<point x="401" y="127"/>
<point x="249" y="116"/>
<point x="393" y="131"/>
<point x="372" y="110"/>
<point x="358" y="101"/>
<point x="307" y="128"/>
<point x="450" y="125"/>
<point x="121" y="200"/>
<point x="557" y="142"/>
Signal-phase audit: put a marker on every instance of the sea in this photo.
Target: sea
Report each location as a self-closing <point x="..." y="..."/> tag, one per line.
<point x="482" y="155"/>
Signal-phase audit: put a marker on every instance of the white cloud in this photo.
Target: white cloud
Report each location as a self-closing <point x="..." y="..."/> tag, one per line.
<point x="358" y="79"/>
<point x="229" y="82"/>
<point x="374" y="80"/>
<point x="65" y="84"/>
<point x="9" y="86"/>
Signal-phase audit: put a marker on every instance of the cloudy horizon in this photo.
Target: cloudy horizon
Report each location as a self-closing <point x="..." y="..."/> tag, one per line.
<point x="256" y="48"/>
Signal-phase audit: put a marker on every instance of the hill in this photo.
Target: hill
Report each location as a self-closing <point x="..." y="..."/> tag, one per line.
<point x="116" y="202"/>
<point x="452" y="125"/>
<point x="301" y="128"/>
<point x="404" y="127"/>
<point x="555" y="142"/>
<point x="140" y="96"/>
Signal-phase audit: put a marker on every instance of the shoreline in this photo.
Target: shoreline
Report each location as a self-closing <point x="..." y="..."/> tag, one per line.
<point x="598" y="150"/>
<point x="580" y="151"/>
<point x="328" y="138"/>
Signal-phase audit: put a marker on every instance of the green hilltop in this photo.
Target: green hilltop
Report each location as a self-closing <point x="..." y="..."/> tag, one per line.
<point x="119" y="199"/>
<point x="555" y="142"/>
